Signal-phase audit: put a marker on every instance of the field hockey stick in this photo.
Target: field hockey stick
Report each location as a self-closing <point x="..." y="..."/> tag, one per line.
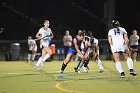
<point x="42" y="38"/>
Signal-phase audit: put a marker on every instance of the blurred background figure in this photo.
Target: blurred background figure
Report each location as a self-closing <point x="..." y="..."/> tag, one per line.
<point x="32" y="49"/>
<point x="67" y="39"/>
<point x="134" y="45"/>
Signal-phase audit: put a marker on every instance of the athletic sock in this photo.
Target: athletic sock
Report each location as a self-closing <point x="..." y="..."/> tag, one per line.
<point x="63" y="66"/>
<point x="39" y="61"/>
<point x="99" y="62"/>
<point x="86" y="63"/>
<point x="119" y="67"/>
<point x="46" y="57"/>
<point x="33" y="57"/>
<point x="29" y="57"/>
<point x="130" y="63"/>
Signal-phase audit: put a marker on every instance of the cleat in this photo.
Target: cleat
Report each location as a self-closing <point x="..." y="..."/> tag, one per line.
<point x="85" y="69"/>
<point x="42" y="64"/>
<point x="61" y="71"/>
<point x="122" y="75"/>
<point x="36" y="67"/>
<point x="132" y="72"/>
<point x="76" y="70"/>
<point x="101" y="70"/>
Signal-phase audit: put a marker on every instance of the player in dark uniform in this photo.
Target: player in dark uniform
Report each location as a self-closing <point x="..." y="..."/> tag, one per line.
<point x="73" y="50"/>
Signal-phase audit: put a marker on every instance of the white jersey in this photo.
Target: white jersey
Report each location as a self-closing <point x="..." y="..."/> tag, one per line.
<point x="90" y="48"/>
<point x="94" y="43"/>
<point x="134" y="40"/>
<point x="45" y="33"/>
<point x="117" y="36"/>
<point x="32" y="45"/>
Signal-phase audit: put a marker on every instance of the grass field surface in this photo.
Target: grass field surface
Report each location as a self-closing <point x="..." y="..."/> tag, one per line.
<point x="21" y="77"/>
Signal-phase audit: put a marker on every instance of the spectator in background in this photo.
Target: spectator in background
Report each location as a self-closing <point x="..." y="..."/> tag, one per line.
<point x="134" y="45"/>
<point x="67" y="39"/>
<point x="32" y="49"/>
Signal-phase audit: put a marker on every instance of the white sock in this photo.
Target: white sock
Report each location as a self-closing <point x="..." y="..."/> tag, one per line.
<point x="130" y="63"/>
<point x="76" y="58"/>
<point x="46" y="57"/>
<point x="33" y="57"/>
<point x="29" y="57"/>
<point x="119" y="66"/>
<point x="39" y="61"/>
<point x="99" y="62"/>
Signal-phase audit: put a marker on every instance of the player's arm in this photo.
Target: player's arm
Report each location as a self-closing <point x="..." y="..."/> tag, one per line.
<point x="126" y="39"/>
<point x="110" y="40"/>
<point x="76" y="45"/>
<point x="28" y="41"/>
<point x="38" y="35"/>
<point x="77" y="48"/>
<point x="96" y="48"/>
<point x="51" y="35"/>
<point x="95" y="53"/>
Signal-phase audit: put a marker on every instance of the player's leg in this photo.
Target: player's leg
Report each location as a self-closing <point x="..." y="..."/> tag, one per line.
<point x="129" y="63"/>
<point x="34" y="53"/>
<point x="65" y="62"/>
<point x="82" y="61"/>
<point x="99" y="63"/>
<point x="85" y="67"/>
<point x="47" y="54"/>
<point x="47" y="50"/>
<point x="80" y="64"/>
<point x="76" y="58"/>
<point x="118" y="64"/>
<point x="40" y="60"/>
<point x="29" y="55"/>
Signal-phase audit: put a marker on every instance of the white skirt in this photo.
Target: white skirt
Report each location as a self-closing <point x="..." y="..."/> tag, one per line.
<point x="119" y="48"/>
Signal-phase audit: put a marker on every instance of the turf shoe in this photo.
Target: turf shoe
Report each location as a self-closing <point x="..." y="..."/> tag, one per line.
<point x="76" y="70"/>
<point x="132" y="72"/>
<point x="122" y="75"/>
<point x="61" y="71"/>
<point x="85" y="69"/>
<point x="36" y="67"/>
<point x="101" y="70"/>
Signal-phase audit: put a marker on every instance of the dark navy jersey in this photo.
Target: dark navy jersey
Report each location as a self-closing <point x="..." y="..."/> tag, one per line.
<point x="78" y="42"/>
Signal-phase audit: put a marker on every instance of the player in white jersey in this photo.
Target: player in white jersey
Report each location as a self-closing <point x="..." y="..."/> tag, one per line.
<point x="45" y="34"/>
<point x="32" y="49"/>
<point x="118" y="40"/>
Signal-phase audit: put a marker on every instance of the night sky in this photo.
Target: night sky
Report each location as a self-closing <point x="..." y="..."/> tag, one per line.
<point x="22" y="18"/>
